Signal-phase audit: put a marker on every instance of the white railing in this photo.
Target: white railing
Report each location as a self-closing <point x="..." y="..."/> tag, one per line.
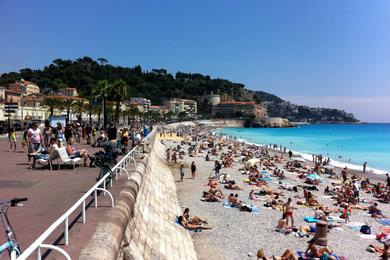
<point x="38" y="244"/>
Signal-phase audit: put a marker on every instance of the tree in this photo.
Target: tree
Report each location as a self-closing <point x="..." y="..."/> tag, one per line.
<point x="182" y="116"/>
<point x="102" y="61"/>
<point x="133" y="112"/>
<point x="67" y="103"/>
<point x="79" y="106"/>
<point x="51" y="103"/>
<point x="118" y="92"/>
<point x="101" y="91"/>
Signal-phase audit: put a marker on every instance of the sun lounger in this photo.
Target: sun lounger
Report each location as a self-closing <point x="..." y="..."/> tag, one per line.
<point x="66" y="159"/>
<point x="53" y="156"/>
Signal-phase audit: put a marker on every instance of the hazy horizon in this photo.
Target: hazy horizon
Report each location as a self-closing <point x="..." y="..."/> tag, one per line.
<point x="323" y="54"/>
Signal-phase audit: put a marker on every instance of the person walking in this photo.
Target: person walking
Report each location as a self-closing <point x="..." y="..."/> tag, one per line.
<point x="12" y="139"/>
<point x="35" y="139"/>
<point x="217" y="168"/>
<point x="364" y="167"/>
<point x="181" y="172"/>
<point x="193" y="170"/>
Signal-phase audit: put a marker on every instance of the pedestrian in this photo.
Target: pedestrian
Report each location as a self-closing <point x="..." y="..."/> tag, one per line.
<point x="290" y="154"/>
<point x="288" y="210"/>
<point x="181" y="172"/>
<point x="217" y="168"/>
<point x="364" y="167"/>
<point x="193" y="170"/>
<point x="34" y="141"/>
<point x="12" y="139"/>
<point x="47" y="134"/>
<point x="344" y="174"/>
<point x="387" y="180"/>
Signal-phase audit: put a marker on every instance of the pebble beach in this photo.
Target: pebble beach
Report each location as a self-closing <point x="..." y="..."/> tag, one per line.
<point x="239" y="235"/>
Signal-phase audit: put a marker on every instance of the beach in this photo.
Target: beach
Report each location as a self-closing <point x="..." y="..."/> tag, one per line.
<point x="239" y="235"/>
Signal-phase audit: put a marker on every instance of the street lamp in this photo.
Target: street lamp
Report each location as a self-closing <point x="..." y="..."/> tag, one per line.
<point x="33" y="112"/>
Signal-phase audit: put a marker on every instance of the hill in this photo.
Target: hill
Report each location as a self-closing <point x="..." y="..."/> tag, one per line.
<point x="159" y="85"/>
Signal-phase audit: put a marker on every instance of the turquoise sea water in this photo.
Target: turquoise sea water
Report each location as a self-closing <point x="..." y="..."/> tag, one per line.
<point x="344" y="143"/>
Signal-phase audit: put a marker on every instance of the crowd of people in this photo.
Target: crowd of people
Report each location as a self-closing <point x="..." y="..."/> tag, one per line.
<point x="42" y="142"/>
<point x="260" y="165"/>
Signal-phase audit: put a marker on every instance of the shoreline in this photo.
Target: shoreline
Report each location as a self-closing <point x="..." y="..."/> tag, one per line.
<point x="238" y="235"/>
<point x="375" y="172"/>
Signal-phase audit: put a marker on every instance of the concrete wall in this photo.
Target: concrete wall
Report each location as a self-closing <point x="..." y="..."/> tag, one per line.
<point x="153" y="232"/>
<point x="142" y="223"/>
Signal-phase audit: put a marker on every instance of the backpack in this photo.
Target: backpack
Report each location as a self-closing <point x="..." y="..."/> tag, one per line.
<point x="365" y="229"/>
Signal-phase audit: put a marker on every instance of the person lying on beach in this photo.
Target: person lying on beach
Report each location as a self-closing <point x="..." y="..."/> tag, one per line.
<point x="209" y="197"/>
<point x="193" y="220"/>
<point x="232" y="186"/>
<point x="317" y="251"/>
<point x="384" y="252"/>
<point x="182" y="221"/>
<point x="287" y="255"/>
<point x="253" y="196"/>
<point x="216" y="192"/>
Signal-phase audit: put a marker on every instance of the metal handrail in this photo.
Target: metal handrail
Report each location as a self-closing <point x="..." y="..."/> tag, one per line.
<point x="39" y="242"/>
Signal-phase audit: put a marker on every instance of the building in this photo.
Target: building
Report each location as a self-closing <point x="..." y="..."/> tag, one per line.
<point x="68" y="92"/>
<point x="25" y="87"/>
<point x="2" y="100"/>
<point x="212" y="99"/>
<point x="187" y="106"/>
<point x="234" y="109"/>
<point x="142" y="104"/>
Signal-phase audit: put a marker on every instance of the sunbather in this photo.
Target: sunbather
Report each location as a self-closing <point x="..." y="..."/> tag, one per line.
<point x="182" y="221"/>
<point x="77" y="153"/>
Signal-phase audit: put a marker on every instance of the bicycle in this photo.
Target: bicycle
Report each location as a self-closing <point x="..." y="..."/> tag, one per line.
<point x="11" y="245"/>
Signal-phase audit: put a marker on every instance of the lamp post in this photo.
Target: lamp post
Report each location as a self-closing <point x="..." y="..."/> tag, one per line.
<point x="33" y="112"/>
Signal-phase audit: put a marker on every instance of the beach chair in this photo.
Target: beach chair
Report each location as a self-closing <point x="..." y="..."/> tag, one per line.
<point x="66" y="159"/>
<point x="53" y="156"/>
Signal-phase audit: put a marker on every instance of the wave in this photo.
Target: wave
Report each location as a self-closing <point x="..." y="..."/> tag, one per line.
<point x="309" y="157"/>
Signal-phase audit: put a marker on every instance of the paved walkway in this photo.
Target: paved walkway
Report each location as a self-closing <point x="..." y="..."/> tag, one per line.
<point x="50" y="194"/>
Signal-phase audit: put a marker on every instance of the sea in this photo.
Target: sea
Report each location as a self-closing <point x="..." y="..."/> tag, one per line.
<point x="347" y="145"/>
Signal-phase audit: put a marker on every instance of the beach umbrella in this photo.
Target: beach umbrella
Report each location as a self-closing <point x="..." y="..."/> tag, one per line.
<point x="250" y="163"/>
<point x="298" y="159"/>
<point x="328" y="167"/>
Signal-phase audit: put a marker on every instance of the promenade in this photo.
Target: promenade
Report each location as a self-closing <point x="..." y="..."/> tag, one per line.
<point x="50" y="194"/>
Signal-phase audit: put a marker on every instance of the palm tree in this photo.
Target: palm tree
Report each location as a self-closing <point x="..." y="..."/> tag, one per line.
<point x="67" y="104"/>
<point x="101" y="91"/>
<point x="133" y="112"/>
<point x="51" y="103"/>
<point x="79" y="106"/>
<point x="119" y="92"/>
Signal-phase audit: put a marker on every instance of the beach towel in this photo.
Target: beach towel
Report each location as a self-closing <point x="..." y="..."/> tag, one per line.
<point x="303" y="255"/>
<point x="265" y="179"/>
<point x="310" y="219"/>
<point x="384" y="221"/>
<point x="364" y="236"/>
<point x="355" y="226"/>
<point x="226" y="204"/>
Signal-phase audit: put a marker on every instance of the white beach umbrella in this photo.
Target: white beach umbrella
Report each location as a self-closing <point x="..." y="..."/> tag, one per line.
<point x="250" y="163"/>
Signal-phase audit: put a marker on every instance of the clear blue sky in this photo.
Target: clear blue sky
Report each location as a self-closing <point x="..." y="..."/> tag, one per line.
<point x="328" y="53"/>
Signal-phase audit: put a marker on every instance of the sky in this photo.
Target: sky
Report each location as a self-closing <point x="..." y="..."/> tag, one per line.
<point x="322" y="53"/>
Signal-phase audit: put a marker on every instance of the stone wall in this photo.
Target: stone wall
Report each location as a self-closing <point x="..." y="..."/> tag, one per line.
<point x="153" y="231"/>
<point x="142" y="223"/>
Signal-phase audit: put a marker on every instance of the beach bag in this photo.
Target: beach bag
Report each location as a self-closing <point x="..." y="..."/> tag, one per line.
<point x="365" y="229"/>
